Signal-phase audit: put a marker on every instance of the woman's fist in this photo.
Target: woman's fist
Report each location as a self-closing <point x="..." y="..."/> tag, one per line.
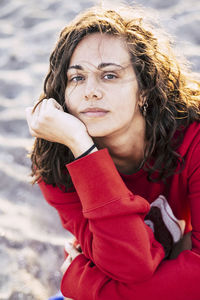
<point x="48" y="121"/>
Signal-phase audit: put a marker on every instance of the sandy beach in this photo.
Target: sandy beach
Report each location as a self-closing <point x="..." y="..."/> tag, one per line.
<point x="31" y="236"/>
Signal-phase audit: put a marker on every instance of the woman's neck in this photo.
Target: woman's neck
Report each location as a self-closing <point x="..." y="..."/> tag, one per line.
<point x="127" y="152"/>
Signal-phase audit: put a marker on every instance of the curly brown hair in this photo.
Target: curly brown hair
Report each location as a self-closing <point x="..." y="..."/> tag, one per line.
<point x="170" y="89"/>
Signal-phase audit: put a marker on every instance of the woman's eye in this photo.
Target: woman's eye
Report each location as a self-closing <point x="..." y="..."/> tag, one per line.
<point x="77" y="78"/>
<point x="109" y="76"/>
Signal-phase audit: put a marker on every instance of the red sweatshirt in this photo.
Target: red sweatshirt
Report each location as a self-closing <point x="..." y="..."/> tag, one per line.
<point x="122" y="260"/>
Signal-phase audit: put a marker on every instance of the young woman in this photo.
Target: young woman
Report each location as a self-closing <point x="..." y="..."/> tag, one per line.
<point x="117" y="129"/>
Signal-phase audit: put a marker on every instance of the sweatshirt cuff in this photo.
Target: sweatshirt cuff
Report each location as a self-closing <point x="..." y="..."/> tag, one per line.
<point x="97" y="180"/>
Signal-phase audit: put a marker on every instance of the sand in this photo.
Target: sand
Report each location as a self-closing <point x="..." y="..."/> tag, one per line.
<point x="31" y="236"/>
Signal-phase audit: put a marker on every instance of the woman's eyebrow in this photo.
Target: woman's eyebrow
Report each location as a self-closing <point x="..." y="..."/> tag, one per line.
<point x="76" y="67"/>
<point x="100" y="66"/>
<point x="104" y="65"/>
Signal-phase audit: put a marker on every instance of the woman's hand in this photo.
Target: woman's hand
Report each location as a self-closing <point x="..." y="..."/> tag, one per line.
<point x="51" y="123"/>
<point x="73" y="251"/>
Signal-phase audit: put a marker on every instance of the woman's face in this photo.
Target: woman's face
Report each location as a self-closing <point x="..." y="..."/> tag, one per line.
<point x="102" y="90"/>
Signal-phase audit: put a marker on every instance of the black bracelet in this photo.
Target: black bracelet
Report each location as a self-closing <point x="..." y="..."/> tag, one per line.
<point x="86" y="152"/>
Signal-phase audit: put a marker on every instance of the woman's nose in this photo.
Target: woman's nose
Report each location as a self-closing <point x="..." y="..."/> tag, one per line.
<point x="93" y="90"/>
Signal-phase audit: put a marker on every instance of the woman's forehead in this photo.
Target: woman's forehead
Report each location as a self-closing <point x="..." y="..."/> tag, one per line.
<point x="100" y="48"/>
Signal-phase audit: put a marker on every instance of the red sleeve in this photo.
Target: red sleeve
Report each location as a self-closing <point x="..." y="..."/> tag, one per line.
<point x="116" y="220"/>
<point x="69" y="209"/>
<point x="108" y="221"/>
<point x="176" y="279"/>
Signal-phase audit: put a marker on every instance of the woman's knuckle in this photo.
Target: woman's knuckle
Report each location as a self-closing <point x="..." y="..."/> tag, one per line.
<point x="35" y="126"/>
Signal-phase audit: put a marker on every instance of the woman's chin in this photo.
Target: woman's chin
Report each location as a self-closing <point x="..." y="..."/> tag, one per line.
<point x="97" y="132"/>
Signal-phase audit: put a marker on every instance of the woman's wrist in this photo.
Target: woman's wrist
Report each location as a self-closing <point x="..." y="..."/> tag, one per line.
<point x="82" y="145"/>
<point x="88" y="151"/>
<point x="82" y="153"/>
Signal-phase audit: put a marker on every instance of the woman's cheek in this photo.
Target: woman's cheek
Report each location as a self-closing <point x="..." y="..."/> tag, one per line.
<point x="71" y="109"/>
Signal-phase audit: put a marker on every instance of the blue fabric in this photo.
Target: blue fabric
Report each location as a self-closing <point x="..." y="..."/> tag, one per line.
<point x="58" y="296"/>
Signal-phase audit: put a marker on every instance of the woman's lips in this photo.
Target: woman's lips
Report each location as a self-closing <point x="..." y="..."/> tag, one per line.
<point x="94" y="112"/>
